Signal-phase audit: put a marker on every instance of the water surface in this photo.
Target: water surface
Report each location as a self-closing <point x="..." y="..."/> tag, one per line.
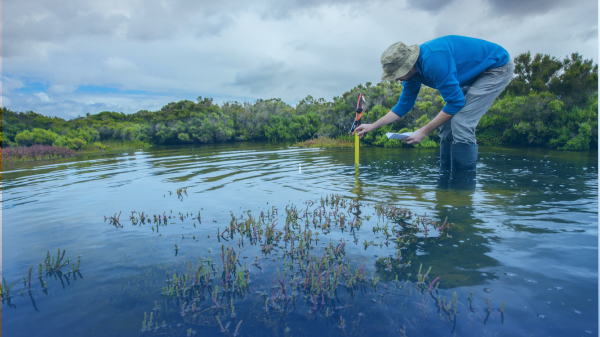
<point x="525" y="232"/>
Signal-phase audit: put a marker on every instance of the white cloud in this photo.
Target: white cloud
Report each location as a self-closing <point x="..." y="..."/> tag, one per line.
<point x="10" y="84"/>
<point x="120" y="64"/>
<point x="42" y="97"/>
<point x="61" y="89"/>
<point x="5" y="101"/>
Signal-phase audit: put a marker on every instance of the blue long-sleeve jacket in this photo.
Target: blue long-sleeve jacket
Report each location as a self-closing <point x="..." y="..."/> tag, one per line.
<point x="446" y="64"/>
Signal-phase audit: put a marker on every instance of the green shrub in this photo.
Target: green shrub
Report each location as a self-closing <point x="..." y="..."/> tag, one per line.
<point x="580" y="142"/>
<point x="71" y="143"/>
<point x="36" y="136"/>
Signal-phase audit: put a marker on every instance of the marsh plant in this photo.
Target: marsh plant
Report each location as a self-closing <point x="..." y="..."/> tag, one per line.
<point x="51" y="267"/>
<point x="309" y="276"/>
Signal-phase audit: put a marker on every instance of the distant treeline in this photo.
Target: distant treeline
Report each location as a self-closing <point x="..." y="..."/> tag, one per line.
<point x="550" y="102"/>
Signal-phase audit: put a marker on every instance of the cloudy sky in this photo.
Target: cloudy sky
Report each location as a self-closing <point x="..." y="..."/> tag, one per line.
<point x="68" y="57"/>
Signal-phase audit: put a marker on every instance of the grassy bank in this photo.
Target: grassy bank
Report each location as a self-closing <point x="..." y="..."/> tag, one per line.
<point x="326" y="142"/>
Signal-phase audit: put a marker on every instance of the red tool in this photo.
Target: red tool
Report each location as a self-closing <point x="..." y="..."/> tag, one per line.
<point x="359" y="111"/>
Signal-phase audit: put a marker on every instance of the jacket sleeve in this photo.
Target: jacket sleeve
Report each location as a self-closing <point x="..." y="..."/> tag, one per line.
<point x="440" y="67"/>
<point x="410" y="91"/>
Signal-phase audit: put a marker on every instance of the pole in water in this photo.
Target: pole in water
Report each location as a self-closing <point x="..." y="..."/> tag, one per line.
<point x="300" y="168"/>
<point x="355" y="124"/>
<point x="356" y="148"/>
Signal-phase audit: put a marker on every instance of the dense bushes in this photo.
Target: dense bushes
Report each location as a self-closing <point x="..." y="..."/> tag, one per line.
<point x="550" y="103"/>
<point x="36" y="136"/>
<point x="540" y="119"/>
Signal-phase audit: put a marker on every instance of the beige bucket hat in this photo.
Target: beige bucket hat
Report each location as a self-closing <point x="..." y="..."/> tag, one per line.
<point x="397" y="60"/>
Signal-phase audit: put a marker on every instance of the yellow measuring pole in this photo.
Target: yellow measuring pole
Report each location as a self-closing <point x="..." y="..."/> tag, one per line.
<point x="356" y="146"/>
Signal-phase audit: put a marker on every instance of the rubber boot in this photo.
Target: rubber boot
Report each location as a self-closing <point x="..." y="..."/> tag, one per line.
<point x="464" y="162"/>
<point x="464" y="157"/>
<point x="445" y="156"/>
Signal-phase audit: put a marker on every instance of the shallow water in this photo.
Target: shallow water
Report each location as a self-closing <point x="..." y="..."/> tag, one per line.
<point x="526" y="233"/>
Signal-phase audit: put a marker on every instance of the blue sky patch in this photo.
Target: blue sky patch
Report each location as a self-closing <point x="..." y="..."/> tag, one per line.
<point x="32" y="87"/>
<point x="95" y="89"/>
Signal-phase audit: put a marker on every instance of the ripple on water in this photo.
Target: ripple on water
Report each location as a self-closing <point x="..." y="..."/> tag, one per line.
<point x="226" y="174"/>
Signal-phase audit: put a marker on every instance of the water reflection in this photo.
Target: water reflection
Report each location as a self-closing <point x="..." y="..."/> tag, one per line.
<point x="525" y="219"/>
<point x="457" y="180"/>
<point x="468" y="253"/>
<point x="64" y="278"/>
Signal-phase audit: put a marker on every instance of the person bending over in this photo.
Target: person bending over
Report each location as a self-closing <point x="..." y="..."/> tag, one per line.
<point x="469" y="74"/>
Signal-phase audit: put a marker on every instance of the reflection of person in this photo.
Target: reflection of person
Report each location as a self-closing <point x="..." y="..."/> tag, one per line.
<point x="469" y="73"/>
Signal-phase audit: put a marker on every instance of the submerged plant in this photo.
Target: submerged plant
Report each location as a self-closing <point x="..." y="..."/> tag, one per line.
<point x="237" y="328"/>
<point x="53" y="265"/>
<point x="212" y="285"/>
<point x="6" y="290"/>
<point x="342" y="323"/>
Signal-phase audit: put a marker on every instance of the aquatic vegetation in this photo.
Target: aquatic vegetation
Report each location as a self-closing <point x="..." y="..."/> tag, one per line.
<point x="53" y="269"/>
<point x="237" y="328"/>
<point x="433" y="282"/>
<point x="300" y="269"/>
<point x="180" y="192"/>
<point x="35" y="152"/>
<point x="114" y="220"/>
<point x="55" y="266"/>
<point x="5" y="292"/>
<point x="308" y="271"/>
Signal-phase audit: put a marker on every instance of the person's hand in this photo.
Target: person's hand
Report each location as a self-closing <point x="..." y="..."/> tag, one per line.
<point x="363" y="128"/>
<point x="416" y="137"/>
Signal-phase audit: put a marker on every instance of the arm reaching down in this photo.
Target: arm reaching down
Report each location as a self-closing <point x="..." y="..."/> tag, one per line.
<point x="416" y="136"/>
<point x="390" y="117"/>
<point x="420" y="134"/>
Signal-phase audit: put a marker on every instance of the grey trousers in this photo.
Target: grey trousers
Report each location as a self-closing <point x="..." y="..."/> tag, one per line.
<point x="479" y="96"/>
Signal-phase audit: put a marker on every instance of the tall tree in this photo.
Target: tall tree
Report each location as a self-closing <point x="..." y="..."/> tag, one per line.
<point x="577" y="81"/>
<point x="533" y="73"/>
